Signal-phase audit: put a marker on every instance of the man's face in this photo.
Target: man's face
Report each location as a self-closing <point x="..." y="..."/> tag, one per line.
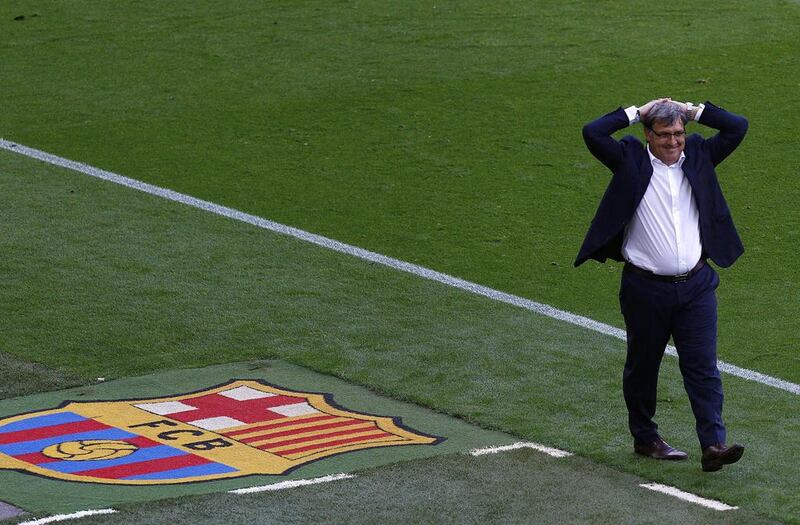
<point x="666" y="142"/>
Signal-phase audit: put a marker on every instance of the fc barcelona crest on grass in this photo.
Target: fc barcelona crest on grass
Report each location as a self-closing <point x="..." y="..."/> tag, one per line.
<point x="237" y="429"/>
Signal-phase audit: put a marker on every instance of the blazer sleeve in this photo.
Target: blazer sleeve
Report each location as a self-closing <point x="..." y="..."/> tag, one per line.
<point x="732" y="129"/>
<point x="597" y="136"/>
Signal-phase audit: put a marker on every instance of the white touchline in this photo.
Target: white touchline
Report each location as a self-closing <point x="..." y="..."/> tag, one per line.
<point x="367" y="255"/>
<point x="292" y="484"/>
<point x="65" y="517"/>
<point x="556" y="453"/>
<point x="687" y="496"/>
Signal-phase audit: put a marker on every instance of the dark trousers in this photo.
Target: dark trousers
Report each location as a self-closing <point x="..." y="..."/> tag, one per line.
<point x="686" y="311"/>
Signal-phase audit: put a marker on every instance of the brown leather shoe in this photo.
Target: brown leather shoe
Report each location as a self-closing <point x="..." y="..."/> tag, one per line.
<point x="715" y="456"/>
<point x="659" y="449"/>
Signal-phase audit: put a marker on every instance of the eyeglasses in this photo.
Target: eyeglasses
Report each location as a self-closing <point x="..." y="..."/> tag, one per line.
<point x="663" y="135"/>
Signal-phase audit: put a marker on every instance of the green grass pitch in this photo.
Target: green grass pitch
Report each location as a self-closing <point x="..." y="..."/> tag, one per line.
<point x="445" y="134"/>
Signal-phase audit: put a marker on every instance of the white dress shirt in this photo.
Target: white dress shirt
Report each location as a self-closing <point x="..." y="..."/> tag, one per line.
<point x="663" y="235"/>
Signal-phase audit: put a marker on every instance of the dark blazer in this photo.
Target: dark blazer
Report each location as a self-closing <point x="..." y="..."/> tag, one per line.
<point x="628" y="161"/>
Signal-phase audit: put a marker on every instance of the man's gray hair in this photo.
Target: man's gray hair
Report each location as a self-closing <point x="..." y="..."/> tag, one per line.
<point x="665" y="113"/>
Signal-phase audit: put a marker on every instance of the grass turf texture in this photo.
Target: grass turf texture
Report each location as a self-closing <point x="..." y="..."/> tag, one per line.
<point x="447" y="136"/>
<point x="19" y="377"/>
<point x="445" y="133"/>
<point x="116" y="283"/>
<point x="514" y="487"/>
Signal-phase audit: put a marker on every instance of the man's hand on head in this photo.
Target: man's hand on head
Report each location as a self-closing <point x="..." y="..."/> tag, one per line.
<point x="643" y="110"/>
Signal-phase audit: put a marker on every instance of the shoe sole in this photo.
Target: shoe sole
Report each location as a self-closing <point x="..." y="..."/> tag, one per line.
<point x="663" y="458"/>
<point x="732" y="455"/>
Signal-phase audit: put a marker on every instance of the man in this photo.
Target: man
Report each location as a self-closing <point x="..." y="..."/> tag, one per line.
<point x="664" y="214"/>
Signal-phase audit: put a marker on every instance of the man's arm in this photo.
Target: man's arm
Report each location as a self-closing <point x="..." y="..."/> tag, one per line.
<point x="597" y="134"/>
<point x="732" y="129"/>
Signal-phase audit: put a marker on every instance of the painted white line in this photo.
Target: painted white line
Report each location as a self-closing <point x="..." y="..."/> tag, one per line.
<point x="556" y="453"/>
<point x="65" y="517"/>
<point x="292" y="484"/>
<point x="687" y="496"/>
<point x="373" y="257"/>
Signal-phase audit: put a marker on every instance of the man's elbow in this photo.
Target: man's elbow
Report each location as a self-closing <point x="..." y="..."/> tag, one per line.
<point x="741" y="124"/>
<point x="744" y="124"/>
<point x="589" y="133"/>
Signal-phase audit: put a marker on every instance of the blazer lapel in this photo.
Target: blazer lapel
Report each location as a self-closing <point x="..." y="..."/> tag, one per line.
<point x="644" y="174"/>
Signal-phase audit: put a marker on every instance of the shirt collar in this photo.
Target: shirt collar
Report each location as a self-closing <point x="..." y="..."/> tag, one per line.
<point x="654" y="159"/>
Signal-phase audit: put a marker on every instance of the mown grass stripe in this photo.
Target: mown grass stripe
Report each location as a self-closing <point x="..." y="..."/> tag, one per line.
<point x="421" y="271"/>
<point x="687" y="496"/>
